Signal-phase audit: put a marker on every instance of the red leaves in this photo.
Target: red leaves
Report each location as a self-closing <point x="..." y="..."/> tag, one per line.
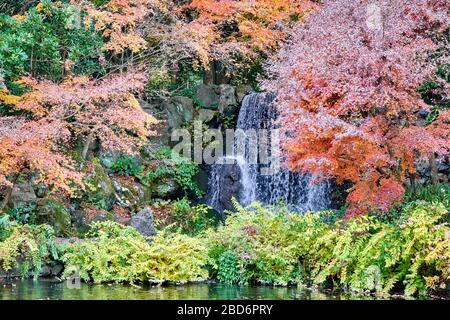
<point x="347" y="91"/>
<point x="57" y="115"/>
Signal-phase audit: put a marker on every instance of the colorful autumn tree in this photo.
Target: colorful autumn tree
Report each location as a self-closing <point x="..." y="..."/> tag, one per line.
<point x="117" y="20"/>
<point x="347" y="86"/>
<point x="232" y="32"/>
<point x="30" y="147"/>
<point x="50" y="118"/>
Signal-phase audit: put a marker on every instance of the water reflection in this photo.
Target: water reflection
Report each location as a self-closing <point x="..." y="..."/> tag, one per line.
<point x="51" y="289"/>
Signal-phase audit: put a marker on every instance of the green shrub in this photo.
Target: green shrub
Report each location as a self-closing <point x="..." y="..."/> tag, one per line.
<point x="115" y="253"/>
<point x="23" y="215"/>
<point x="173" y="166"/>
<point x="26" y="248"/>
<point x="263" y="240"/>
<point x="126" y="165"/>
<point x="40" y="43"/>
<point x="439" y="193"/>
<point x="276" y="246"/>
<point x="229" y="269"/>
<point x="191" y="220"/>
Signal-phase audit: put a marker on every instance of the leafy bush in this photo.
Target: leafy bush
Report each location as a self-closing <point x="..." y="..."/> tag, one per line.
<point x="265" y="243"/>
<point x="191" y="219"/>
<point x="276" y="246"/>
<point x="23" y="214"/>
<point x="439" y="193"/>
<point x="174" y="166"/>
<point x="26" y="248"/>
<point x="126" y="165"/>
<point x="115" y="253"/>
<point x="42" y="41"/>
<point x="229" y="270"/>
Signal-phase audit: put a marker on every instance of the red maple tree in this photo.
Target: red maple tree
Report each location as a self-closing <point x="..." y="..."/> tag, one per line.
<point x="347" y="86"/>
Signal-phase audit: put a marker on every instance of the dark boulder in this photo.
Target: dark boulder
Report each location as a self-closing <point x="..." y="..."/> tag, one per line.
<point x="143" y="222"/>
<point x="229" y="187"/>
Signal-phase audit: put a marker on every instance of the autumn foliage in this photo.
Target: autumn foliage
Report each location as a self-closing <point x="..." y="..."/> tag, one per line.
<point x="225" y="30"/>
<point x="117" y="20"/>
<point x="347" y="86"/>
<point x="53" y="117"/>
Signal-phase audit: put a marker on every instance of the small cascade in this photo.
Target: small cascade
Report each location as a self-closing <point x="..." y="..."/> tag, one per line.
<point x="249" y="175"/>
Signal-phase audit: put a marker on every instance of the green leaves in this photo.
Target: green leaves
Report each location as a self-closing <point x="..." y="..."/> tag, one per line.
<point x="272" y="245"/>
<point x="181" y="169"/>
<point x="115" y="253"/>
<point x="49" y="41"/>
<point x="126" y="165"/>
<point x="26" y="248"/>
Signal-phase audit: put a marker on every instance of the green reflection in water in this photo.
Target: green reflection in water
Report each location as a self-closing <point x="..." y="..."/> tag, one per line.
<point x="51" y="289"/>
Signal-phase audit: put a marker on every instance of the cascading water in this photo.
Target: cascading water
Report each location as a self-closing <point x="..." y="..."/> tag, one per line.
<point x="240" y="176"/>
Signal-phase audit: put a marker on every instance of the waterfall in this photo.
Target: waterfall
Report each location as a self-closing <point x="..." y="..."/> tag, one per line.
<point x="240" y="176"/>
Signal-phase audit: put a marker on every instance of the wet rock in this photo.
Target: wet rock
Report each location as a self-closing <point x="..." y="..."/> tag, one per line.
<point x="67" y="241"/>
<point x="423" y="113"/>
<point x="166" y="188"/>
<point x="179" y="110"/>
<point x="57" y="269"/>
<point x="230" y="187"/>
<point x="108" y="157"/>
<point x="102" y="188"/>
<point x="51" y="270"/>
<point x="201" y="179"/>
<point x="227" y="100"/>
<point x="143" y="222"/>
<point x="443" y="177"/>
<point x="46" y="271"/>
<point x="53" y="211"/>
<point x="185" y="107"/>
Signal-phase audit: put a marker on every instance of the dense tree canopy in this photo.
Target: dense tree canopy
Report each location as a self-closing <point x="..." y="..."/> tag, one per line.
<point x="347" y="86"/>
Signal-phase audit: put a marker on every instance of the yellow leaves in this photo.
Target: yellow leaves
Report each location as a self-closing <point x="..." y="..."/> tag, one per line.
<point x="117" y="22"/>
<point x="19" y="17"/>
<point x="40" y="7"/>
<point x="120" y="42"/>
<point x="7" y="98"/>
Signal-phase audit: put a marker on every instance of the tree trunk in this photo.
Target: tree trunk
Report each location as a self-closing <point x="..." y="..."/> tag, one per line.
<point x="87" y="144"/>
<point x="433" y="168"/>
<point x="7" y="198"/>
<point x="210" y="74"/>
<point x="412" y="180"/>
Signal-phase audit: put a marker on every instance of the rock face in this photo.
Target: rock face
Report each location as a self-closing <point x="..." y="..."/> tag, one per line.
<point x="242" y="91"/>
<point x="53" y="211"/>
<point x="208" y="96"/>
<point x="230" y="187"/>
<point x="104" y="188"/>
<point x="129" y="193"/>
<point x="166" y="188"/>
<point x="424" y="171"/>
<point x="179" y="110"/>
<point x="206" y="115"/>
<point x="23" y="195"/>
<point x="227" y="99"/>
<point x="143" y="222"/>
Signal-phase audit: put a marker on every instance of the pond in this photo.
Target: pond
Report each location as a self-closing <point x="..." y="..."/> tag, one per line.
<point x="49" y="289"/>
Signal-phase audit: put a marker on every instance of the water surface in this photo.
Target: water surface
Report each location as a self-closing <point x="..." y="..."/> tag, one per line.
<point x="55" y="290"/>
